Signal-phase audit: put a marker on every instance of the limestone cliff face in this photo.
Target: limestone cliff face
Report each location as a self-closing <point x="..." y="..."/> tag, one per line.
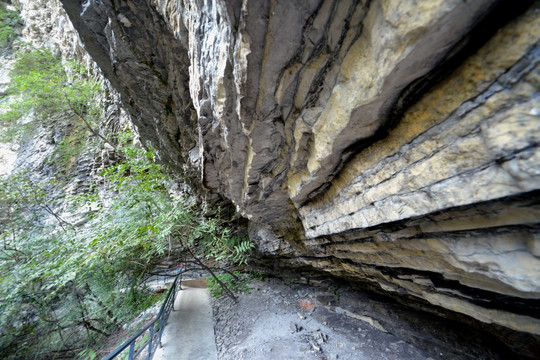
<point x="48" y="25"/>
<point x="391" y="142"/>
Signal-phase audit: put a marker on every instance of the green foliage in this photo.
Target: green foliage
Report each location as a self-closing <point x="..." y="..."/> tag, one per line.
<point x="79" y="282"/>
<point x="63" y="287"/>
<point x="68" y="150"/>
<point x="337" y="293"/>
<point x="240" y="283"/>
<point x="51" y="86"/>
<point x="18" y="193"/>
<point x="46" y="91"/>
<point x="227" y="247"/>
<point x="74" y="283"/>
<point x="49" y="89"/>
<point x="9" y="23"/>
<point x="258" y="276"/>
<point x="87" y="354"/>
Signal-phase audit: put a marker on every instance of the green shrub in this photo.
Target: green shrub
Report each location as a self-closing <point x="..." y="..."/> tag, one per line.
<point x="240" y="283"/>
<point x="63" y="287"/>
<point x="52" y="92"/>
<point x="10" y="21"/>
<point x="225" y="246"/>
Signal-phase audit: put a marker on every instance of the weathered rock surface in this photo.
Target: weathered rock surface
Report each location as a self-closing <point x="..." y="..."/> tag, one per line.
<point x="286" y="320"/>
<point x="48" y="25"/>
<point x="393" y="143"/>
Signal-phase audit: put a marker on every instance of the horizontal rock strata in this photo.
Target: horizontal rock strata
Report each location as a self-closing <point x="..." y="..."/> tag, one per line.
<point x="389" y="142"/>
<point x="457" y="147"/>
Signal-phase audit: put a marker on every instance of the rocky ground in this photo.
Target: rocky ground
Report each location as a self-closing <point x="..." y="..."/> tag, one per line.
<point x="322" y="319"/>
<point x="278" y="320"/>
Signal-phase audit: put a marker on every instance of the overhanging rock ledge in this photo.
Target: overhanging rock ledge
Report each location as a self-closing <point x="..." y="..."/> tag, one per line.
<point x="393" y="143"/>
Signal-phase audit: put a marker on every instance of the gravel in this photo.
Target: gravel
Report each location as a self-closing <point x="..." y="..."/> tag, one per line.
<point x="275" y="320"/>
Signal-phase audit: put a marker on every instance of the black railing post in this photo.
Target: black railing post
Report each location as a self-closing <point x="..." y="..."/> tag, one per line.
<point x="150" y="352"/>
<point x="161" y="327"/>
<point x="174" y="295"/>
<point x="131" y="351"/>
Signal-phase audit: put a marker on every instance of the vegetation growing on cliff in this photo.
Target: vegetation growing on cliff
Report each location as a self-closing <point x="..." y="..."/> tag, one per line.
<point x="73" y="263"/>
<point x="9" y="23"/>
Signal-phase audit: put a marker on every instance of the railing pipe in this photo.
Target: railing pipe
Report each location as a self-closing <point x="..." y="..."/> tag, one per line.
<point x="162" y="317"/>
<point x="150" y="352"/>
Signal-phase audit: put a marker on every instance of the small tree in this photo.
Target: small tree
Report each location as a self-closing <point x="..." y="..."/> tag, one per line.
<point x="64" y="286"/>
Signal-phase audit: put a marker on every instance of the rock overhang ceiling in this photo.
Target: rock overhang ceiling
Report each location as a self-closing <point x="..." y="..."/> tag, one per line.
<point x="392" y="142"/>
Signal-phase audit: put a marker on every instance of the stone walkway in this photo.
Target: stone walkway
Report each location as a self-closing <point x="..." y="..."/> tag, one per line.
<point x="189" y="334"/>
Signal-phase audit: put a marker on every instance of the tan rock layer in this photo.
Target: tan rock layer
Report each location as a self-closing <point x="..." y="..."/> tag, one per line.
<point x="328" y="125"/>
<point x="461" y="135"/>
<point x="470" y="140"/>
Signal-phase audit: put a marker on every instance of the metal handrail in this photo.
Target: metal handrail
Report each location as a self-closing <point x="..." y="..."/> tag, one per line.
<point x="155" y="333"/>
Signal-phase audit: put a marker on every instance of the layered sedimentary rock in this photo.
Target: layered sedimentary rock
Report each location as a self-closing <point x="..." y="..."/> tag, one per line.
<point x="389" y="142"/>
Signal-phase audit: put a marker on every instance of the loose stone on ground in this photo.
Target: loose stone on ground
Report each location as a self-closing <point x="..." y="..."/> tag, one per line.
<point x="278" y="321"/>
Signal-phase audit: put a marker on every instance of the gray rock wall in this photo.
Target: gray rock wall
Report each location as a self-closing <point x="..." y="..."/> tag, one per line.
<point x="389" y="142"/>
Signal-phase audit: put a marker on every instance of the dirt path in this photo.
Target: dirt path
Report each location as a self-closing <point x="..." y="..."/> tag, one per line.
<point x="287" y="321"/>
<point x="189" y="334"/>
<point x="277" y="321"/>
